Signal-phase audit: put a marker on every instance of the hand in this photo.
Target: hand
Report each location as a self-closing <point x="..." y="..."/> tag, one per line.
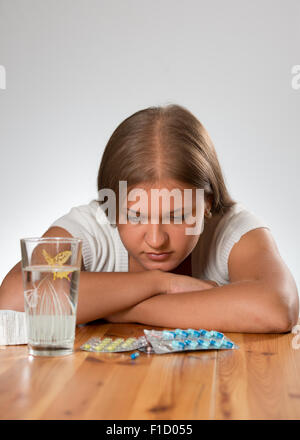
<point x="168" y="283"/>
<point x="175" y="283"/>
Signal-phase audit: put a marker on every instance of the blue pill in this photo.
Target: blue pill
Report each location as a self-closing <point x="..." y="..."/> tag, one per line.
<point x="193" y="344"/>
<point x="203" y="342"/>
<point x="181" y="333"/>
<point x="215" y="343"/>
<point x="178" y="344"/>
<point x="193" y="333"/>
<point x="215" y="334"/>
<point x="203" y="332"/>
<point x="227" y="344"/>
<point x="188" y="341"/>
<point x="134" y="355"/>
<point x="168" y="335"/>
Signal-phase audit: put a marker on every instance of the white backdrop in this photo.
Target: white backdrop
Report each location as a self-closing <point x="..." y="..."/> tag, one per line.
<point x="76" y="68"/>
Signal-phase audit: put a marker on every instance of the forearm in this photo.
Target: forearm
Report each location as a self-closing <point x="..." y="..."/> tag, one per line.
<point x="99" y="294"/>
<point x="245" y="306"/>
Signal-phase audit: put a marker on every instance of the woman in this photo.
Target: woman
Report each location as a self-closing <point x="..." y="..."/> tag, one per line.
<point x="228" y="276"/>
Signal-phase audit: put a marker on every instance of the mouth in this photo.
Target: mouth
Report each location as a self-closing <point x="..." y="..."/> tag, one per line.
<point x="158" y="256"/>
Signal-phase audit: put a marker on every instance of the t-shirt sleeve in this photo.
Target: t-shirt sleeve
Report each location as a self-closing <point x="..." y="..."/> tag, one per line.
<point x="238" y="225"/>
<point x="80" y="224"/>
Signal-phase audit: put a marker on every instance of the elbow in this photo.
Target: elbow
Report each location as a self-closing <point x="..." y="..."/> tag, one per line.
<point x="286" y="317"/>
<point x="286" y="324"/>
<point x="291" y="318"/>
<point x="11" y="293"/>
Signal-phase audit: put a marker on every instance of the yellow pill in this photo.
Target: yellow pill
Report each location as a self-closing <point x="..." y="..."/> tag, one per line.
<point x="86" y="346"/>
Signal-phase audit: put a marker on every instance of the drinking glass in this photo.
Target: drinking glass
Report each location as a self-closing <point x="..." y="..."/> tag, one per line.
<point x="50" y="271"/>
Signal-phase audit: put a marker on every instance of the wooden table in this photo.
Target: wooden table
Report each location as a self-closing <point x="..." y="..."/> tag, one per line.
<point x="260" y="380"/>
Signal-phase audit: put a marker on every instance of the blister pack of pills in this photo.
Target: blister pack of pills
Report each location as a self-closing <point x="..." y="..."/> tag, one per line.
<point x="110" y="345"/>
<point x="169" y="341"/>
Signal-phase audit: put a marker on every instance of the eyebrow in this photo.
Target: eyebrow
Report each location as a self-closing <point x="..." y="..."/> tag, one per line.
<point x="171" y="212"/>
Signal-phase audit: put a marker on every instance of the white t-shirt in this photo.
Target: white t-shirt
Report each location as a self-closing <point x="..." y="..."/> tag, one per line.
<point x="103" y="250"/>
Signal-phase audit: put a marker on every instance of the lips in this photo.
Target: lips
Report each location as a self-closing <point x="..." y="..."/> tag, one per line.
<point x="158" y="257"/>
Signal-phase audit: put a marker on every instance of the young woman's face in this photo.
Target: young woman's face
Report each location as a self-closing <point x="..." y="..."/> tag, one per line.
<point x="168" y="239"/>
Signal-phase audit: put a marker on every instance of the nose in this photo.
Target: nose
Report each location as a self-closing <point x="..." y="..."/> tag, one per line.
<point x="156" y="238"/>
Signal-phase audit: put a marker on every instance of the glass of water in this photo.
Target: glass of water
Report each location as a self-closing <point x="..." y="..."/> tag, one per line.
<point x="51" y="269"/>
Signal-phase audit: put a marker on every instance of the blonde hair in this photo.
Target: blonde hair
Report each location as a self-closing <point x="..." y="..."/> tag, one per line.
<point x="164" y="142"/>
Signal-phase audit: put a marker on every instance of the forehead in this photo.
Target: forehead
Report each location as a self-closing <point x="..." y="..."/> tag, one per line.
<point x="172" y="193"/>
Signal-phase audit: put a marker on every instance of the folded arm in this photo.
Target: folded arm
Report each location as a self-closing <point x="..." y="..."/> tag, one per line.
<point x="245" y="306"/>
<point x="262" y="296"/>
<point x="100" y="293"/>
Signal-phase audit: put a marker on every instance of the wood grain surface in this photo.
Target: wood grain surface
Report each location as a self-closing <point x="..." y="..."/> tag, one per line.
<point x="260" y="380"/>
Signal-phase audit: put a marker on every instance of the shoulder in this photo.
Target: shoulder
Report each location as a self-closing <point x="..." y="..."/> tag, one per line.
<point x="89" y="217"/>
<point x="88" y="209"/>
<point x="237" y="222"/>
<point x="89" y="223"/>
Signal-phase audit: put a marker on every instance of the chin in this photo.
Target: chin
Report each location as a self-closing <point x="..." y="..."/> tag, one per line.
<point x="161" y="266"/>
